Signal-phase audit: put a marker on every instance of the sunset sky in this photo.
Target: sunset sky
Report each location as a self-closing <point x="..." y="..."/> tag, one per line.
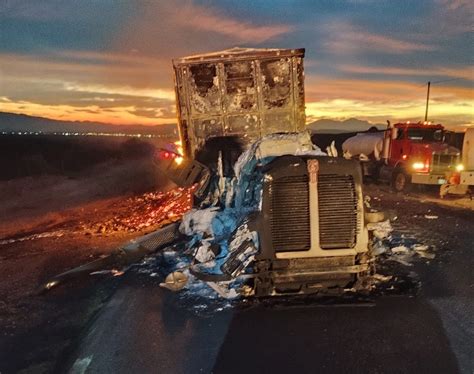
<point x="110" y="60"/>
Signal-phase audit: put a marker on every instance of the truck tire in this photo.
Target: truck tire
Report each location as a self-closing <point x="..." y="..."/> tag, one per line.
<point x="401" y="181"/>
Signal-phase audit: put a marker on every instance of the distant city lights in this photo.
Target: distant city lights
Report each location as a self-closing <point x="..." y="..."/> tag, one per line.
<point x="87" y="134"/>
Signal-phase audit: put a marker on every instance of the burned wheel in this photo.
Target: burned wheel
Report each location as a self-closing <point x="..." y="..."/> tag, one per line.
<point x="401" y="181"/>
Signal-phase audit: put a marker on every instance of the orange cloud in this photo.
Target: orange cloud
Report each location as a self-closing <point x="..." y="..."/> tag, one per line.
<point x="463" y="73"/>
<point x="448" y="113"/>
<point x="379" y="100"/>
<point x="346" y="38"/>
<point x="117" y="115"/>
<point x="112" y="69"/>
<point x="130" y="59"/>
<point x="456" y="4"/>
<point x="319" y="88"/>
<point x="155" y="93"/>
<point x="382" y="70"/>
<point x="208" y="19"/>
<point x="182" y="28"/>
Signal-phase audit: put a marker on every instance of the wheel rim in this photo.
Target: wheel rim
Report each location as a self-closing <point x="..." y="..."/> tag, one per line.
<point x="400" y="182"/>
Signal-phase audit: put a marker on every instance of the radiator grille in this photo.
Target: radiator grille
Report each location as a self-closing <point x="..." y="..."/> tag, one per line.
<point x="337" y="211"/>
<point x="289" y="214"/>
<point x="442" y="162"/>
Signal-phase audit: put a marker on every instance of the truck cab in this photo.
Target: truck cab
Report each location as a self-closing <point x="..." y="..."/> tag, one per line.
<point x="418" y="154"/>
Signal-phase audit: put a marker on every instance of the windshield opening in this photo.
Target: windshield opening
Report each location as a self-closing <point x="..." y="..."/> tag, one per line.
<point x="426" y="135"/>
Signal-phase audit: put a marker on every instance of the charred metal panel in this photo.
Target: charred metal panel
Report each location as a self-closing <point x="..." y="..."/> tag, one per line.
<point x="276" y="83"/>
<point x="285" y="183"/>
<point x="338" y="218"/>
<point x="244" y="92"/>
<point x="204" y="89"/>
<point x="289" y="215"/>
<point x="241" y="91"/>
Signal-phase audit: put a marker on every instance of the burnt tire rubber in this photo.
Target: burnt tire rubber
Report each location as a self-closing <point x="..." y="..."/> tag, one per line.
<point x="401" y="181"/>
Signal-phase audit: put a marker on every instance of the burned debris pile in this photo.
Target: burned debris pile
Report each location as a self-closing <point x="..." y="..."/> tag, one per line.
<point x="150" y="210"/>
<point x="222" y="234"/>
<point x="395" y="254"/>
<point x="139" y="213"/>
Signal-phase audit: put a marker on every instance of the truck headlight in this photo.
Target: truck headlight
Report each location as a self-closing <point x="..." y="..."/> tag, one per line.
<point x="422" y="167"/>
<point x="460" y="167"/>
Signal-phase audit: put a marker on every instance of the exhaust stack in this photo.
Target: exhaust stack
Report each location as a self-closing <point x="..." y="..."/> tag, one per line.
<point x="386" y="142"/>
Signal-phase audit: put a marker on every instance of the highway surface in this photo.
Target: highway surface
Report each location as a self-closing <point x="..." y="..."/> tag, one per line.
<point x="146" y="329"/>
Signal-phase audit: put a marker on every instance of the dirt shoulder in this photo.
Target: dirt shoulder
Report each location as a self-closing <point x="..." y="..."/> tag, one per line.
<point x="429" y="195"/>
<point x="50" y="224"/>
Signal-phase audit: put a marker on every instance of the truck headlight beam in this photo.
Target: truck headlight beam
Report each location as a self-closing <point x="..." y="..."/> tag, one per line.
<point x="459" y="167"/>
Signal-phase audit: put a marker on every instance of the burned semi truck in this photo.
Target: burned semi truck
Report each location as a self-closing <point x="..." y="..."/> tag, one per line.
<point x="284" y="216"/>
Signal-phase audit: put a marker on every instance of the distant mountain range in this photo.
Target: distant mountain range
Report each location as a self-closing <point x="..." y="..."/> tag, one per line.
<point x="21" y="122"/>
<point x="348" y="125"/>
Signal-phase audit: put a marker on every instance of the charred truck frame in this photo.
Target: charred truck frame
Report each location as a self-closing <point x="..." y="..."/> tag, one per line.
<point x="310" y="219"/>
<point x="239" y="92"/>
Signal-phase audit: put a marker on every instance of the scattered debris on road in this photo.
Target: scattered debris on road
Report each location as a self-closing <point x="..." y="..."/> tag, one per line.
<point x="48" y="234"/>
<point x="395" y="246"/>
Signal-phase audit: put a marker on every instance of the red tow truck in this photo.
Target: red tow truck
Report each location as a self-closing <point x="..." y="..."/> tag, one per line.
<point x="409" y="153"/>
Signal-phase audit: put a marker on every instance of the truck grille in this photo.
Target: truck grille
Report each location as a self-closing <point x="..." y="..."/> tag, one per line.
<point x="337" y="211"/>
<point x="289" y="214"/>
<point x="442" y="162"/>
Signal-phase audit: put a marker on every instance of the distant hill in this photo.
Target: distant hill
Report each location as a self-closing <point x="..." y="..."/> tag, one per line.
<point x="21" y="122"/>
<point x="348" y="125"/>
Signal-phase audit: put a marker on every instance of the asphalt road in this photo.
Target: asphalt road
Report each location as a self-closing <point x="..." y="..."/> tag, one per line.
<point x="146" y="329"/>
